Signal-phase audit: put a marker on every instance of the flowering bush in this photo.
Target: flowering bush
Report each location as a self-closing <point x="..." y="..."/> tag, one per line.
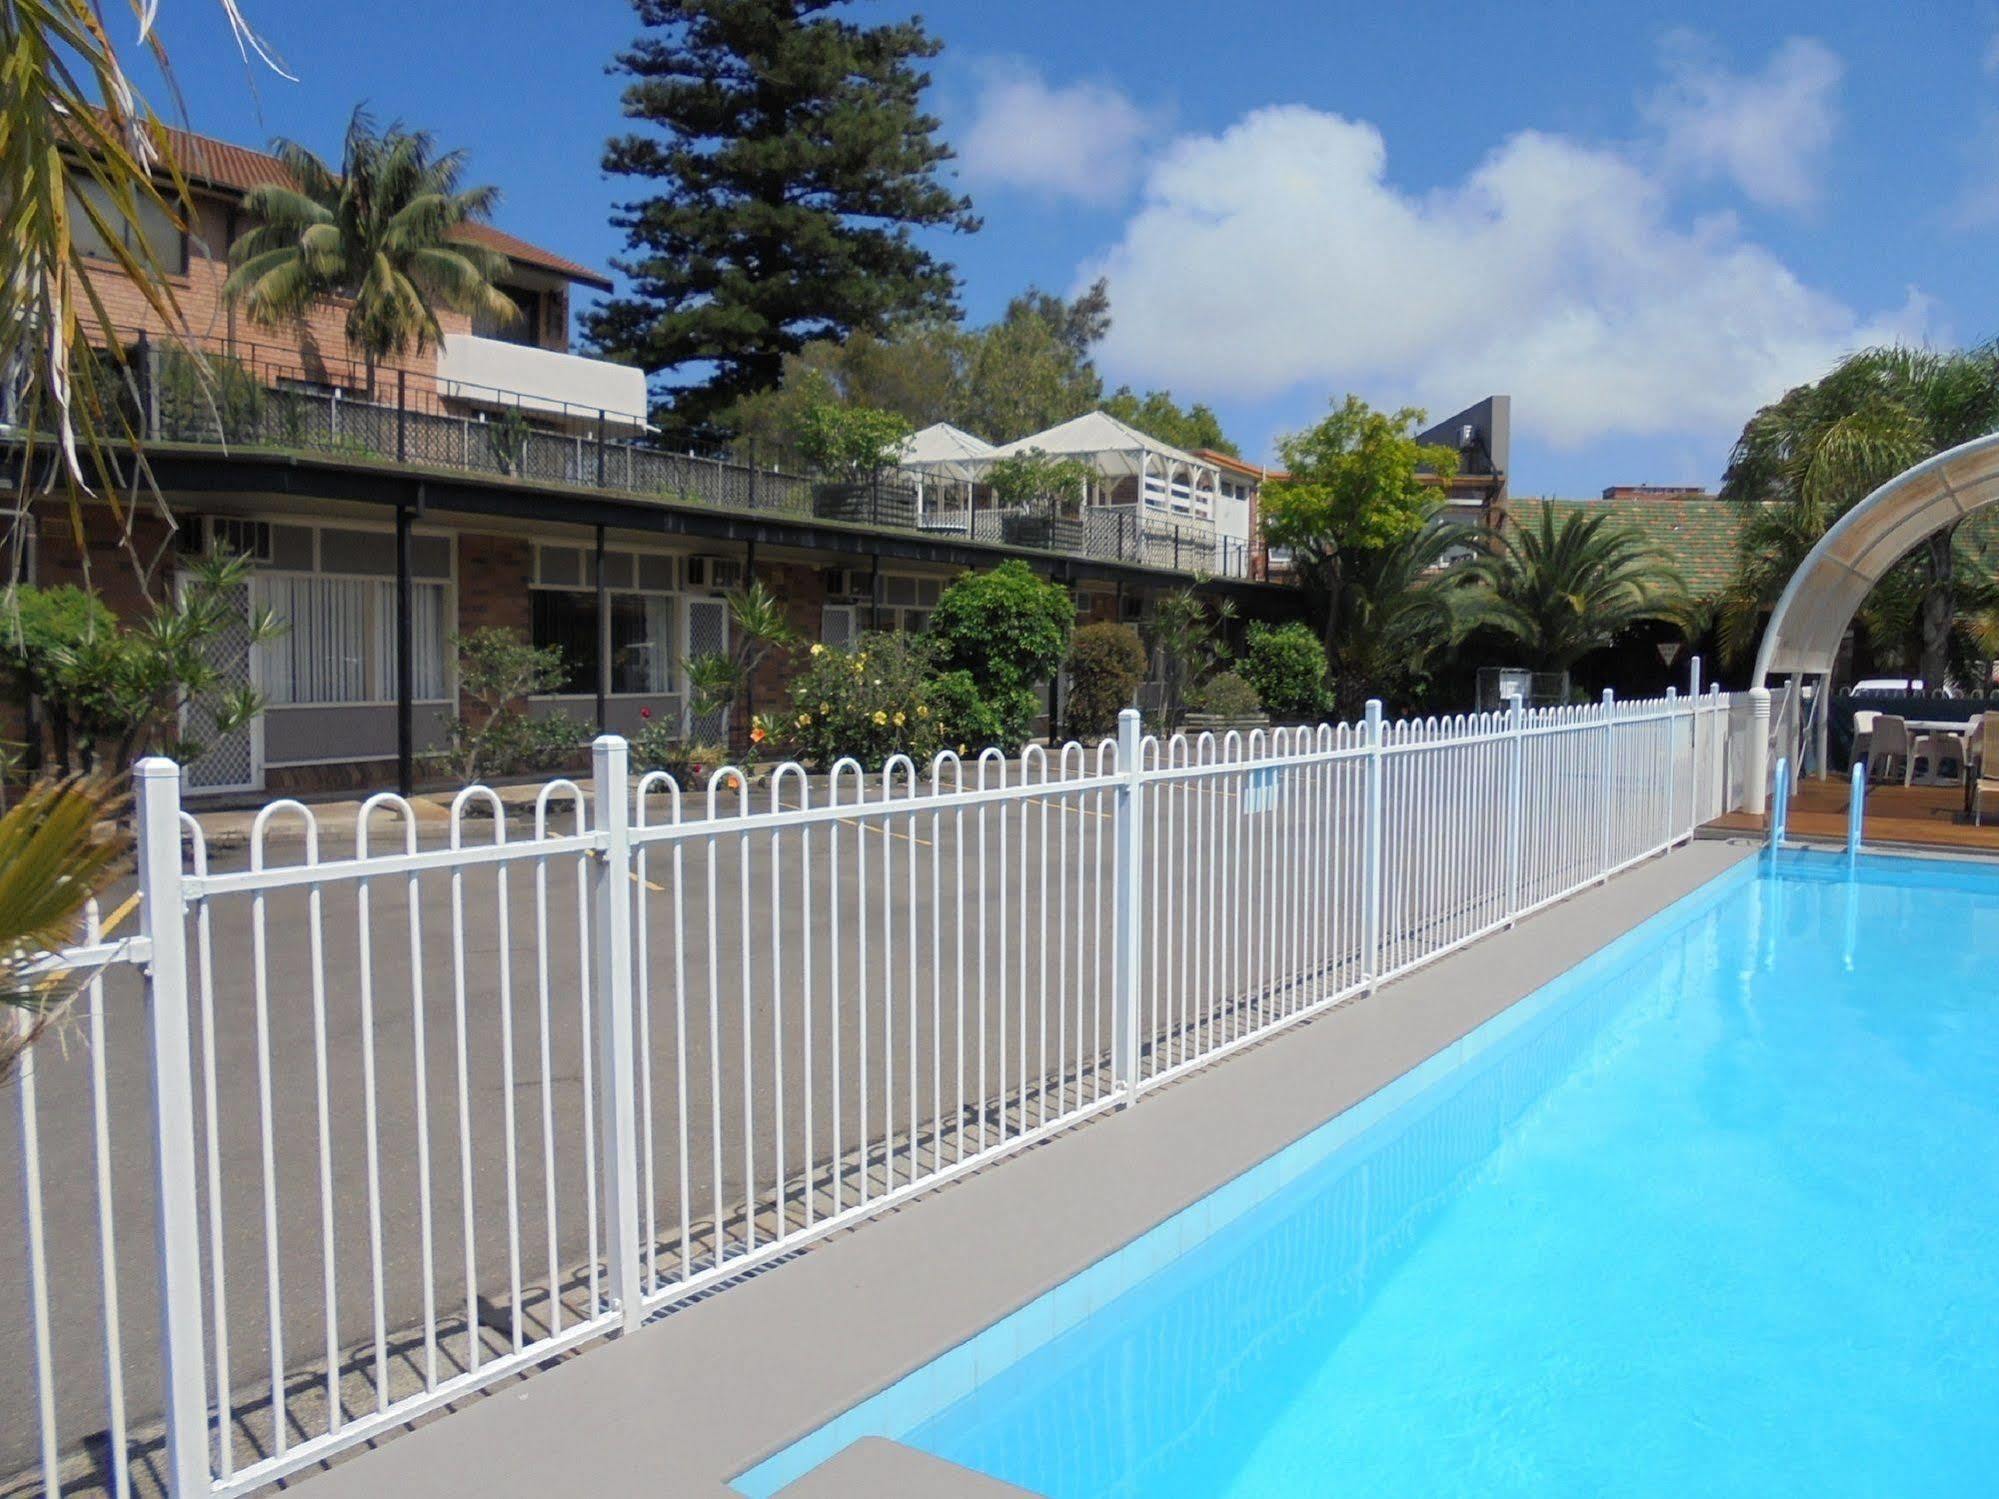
<point x="869" y="700"/>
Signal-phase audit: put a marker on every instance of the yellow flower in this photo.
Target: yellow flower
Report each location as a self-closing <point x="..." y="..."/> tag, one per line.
<point x="964" y="749"/>
<point x="825" y="707"/>
<point x="922" y="710"/>
<point x="898" y="720"/>
<point x="805" y="720"/>
<point x="881" y="719"/>
<point x="818" y="649"/>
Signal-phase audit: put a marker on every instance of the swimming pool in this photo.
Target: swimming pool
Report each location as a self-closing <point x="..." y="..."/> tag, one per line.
<point x="1714" y="1212"/>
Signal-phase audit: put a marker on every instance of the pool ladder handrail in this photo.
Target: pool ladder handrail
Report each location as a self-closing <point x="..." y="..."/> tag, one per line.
<point x="1780" y="803"/>
<point x="1856" y="809"/>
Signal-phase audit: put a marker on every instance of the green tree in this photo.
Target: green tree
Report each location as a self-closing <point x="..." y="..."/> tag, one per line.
<point x="855" y="444"/>
<point x="385" y="233"/>
<point x="1157" y="414"/>
<point x="1032" y="368"/>
<point x="1286" y="664"/>
<point x="1035" y="480"/>
<point x="1186" y="629"/>
<point x="1565" y="587"/>
<point x="1804" y="460"/>
<point x="1026" y="371"/>
<point x="1007" y="630"/>
<point x="1354" y="489"/>
<point x="759" y="625"/>
<point x="114" y="691"/>
<point x="1402" y="606"/>
<point x="1105" y="667"/>
<point x="793" y="160"/>
<point x="498" y="670"/>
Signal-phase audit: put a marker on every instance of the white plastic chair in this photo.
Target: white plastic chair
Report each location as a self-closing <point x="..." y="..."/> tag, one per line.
<point x="1887" y="743"/>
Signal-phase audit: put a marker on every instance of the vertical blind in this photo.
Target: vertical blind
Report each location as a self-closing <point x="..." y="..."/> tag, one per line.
<point x="339" y="641"/>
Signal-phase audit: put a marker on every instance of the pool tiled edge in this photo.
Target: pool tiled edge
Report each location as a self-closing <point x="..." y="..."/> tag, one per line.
<point x="915" y="1397"/>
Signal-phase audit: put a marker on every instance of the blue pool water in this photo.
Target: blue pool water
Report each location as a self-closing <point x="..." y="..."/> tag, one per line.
<point x="1713" y="1214"/>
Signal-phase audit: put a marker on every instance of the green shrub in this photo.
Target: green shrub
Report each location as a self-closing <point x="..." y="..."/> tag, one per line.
<point x="869" y="700"/>
<point x="207" y="396"/>
<point x="1106" y="667"/>
<point x="1228" y="695"/>
<point x="1286" y="664"/>
<point x="973" y="718"/>
<point x="525" y="744"/>
<point x="853" y="444"/>
<point x="497" y="670"/>
<point x="1008" y="627"/>
<point x="658" y="746"/>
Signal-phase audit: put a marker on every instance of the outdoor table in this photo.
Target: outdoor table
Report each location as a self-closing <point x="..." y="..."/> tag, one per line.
<point x="1967" y="730"/>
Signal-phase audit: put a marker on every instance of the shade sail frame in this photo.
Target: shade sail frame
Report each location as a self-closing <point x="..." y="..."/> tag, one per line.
<point x="1856" y="552"/>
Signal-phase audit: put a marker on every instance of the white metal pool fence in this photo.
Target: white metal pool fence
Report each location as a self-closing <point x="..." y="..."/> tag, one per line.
<point x="356" y="1136"/>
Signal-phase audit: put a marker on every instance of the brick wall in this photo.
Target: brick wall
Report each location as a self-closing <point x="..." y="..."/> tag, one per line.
<point x="316" y="350"/>
<point x="802" y="587"/>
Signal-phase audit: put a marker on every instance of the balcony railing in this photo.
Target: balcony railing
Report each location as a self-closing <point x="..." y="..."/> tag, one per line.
<point x="261" y="396"/>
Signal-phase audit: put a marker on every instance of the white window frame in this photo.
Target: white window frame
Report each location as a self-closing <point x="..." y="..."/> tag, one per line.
<point x="679" y="593"/>
<point x="264" y="570"/>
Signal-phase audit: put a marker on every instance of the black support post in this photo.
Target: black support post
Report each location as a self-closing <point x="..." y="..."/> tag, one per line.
<point x="603" y="638"/>
<point x="405" y="660"/>
<point x="402" y="416"/>
<point x="600" y="448"/>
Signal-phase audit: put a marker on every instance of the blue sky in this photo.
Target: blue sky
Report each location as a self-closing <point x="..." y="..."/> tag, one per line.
<point x="1640" y="228"/>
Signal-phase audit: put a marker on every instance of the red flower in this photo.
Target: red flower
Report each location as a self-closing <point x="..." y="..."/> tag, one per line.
<point x="645" y="713"/>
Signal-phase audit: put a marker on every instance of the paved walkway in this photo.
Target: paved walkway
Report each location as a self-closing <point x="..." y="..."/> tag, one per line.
<point x="709" y="1391"/>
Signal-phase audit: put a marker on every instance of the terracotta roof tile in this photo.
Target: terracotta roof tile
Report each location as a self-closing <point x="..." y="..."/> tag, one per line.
<point x="208" y="162"/>
<point x="1700" y="534"/>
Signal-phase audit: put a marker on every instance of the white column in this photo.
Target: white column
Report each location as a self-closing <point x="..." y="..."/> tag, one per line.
<point x="1756" y="754"/>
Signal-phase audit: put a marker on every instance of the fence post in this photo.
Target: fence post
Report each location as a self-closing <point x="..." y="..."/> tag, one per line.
<point x="1128" y="933"/>
<point x="1673" y="759"/>
<point x="1756" y="756"/>
<point x="612" y="979"/>
<point x="177" y="1237"/>
<point x="1516" y="790"/>
<point x="1609" y="775"/>
<point x="1371" y="897"/>
<point x="600" y="448"/>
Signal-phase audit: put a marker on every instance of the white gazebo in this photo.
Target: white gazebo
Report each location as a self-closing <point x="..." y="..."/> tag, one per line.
<point x="942" y="457"/>
<point x="1168" y="479"/>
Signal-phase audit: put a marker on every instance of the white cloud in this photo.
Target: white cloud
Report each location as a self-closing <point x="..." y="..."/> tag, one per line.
<point x="1278" y="255"/>
<point x="1075" y="140"/>
<point x="1767" y="132"/>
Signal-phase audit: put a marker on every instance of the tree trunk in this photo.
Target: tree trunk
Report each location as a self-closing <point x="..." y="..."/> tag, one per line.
<point x="1939" y="611"/>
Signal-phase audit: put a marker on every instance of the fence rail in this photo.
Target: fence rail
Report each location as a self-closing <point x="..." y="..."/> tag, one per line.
<point x="258" y="395"/>
<point x="401" y="1123"/>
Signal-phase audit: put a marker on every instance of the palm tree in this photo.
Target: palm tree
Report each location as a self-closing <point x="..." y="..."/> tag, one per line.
<point x="1397" y="608"/>
<point x="384" y="233"/>
<point x="1565" y="587"/>
<point x="1807" y="458"/>
<point x="52" y="862"/>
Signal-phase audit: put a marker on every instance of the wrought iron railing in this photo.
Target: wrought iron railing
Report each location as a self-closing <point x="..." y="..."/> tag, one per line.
<point x="243" y="394"/>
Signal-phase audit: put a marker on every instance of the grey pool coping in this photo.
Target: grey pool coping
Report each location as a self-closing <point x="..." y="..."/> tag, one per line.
<point x="685" y="1404"/>
<point x="876" y="1468"/>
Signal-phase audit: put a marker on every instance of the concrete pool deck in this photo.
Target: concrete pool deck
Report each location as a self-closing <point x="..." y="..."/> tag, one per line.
<point x="701" y="1395"/>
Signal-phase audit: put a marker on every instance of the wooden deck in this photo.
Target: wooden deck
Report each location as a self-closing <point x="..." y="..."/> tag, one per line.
<point x="1912" y="816"/>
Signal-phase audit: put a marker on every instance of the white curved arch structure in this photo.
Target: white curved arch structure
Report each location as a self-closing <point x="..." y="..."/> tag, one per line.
<point x="1836" y="576"/>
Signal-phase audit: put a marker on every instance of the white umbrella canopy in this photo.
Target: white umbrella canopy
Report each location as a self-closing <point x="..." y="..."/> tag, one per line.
<point x="1113" y="448"/>
<point x="946" y="451"/>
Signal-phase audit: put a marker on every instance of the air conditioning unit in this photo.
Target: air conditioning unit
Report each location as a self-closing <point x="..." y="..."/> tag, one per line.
<point x="713" y="572"/>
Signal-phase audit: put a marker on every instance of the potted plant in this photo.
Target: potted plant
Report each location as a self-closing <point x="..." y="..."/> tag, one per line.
<point x="857" y="449"/>
<point x="1040" y="499"/>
